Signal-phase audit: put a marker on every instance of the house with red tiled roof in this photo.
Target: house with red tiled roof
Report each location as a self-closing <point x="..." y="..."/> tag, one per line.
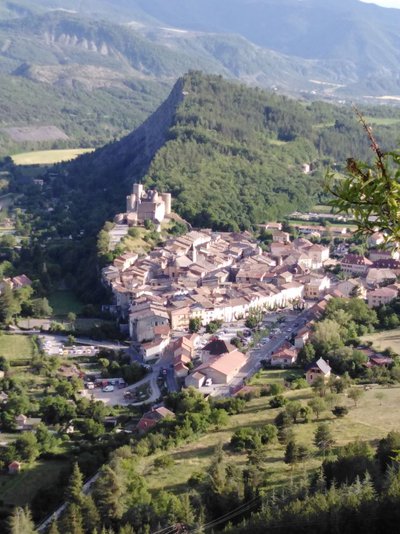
<point x="284" y="357"/>
<point x="355" y="264"/>
<point x="216" y="347"/>
<point x="221" y="369"/>
<point x="151" y="418"/>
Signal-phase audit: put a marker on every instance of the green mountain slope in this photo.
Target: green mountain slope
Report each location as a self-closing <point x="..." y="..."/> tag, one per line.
<point x="232" y="156"/>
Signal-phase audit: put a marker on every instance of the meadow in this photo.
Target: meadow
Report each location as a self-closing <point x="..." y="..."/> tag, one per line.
<point x="48" y="157"/>
<point x="375" y="415"/>
<point x="14" y="346"/>
<point x="388" y="339"/>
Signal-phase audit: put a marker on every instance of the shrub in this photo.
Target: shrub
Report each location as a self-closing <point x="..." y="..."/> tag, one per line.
<point x="278" y="401"/>
<point x="340" y="411"/>
<point x="276" y="389"/>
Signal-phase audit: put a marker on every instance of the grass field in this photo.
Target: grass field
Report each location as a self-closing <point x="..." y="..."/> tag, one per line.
<point x="19" y="490"/>
<point x="370" y="421"/>
<point x="321" y="208"/>
<point x="64" y="302"/>
<point x="388" y="339"/>
<point x="382" y="121"/>
<point x="14" y="346"/>
<point x="274" y="376"/>
<point x="48" y="157"/>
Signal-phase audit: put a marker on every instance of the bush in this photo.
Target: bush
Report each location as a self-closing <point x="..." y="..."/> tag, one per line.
<point x="278" y="401"/>
<point x="299" y="383"/>
<point x="340" y="411"/>
<point x="276" y="389"/>
<point x="163" y="462"/>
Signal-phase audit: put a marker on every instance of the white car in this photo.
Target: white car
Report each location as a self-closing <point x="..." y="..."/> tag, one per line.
<point x="108" y="389"/>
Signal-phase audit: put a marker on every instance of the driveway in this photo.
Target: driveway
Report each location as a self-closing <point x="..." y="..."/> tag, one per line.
<point x="116" y="397"/>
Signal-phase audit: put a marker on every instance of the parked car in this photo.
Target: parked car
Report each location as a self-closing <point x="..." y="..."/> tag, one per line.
<point x="90" y="385"/>
<point x="108" y="389"/>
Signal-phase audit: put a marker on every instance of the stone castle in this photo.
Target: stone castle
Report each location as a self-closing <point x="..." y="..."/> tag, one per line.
<point x="142" y="205"/>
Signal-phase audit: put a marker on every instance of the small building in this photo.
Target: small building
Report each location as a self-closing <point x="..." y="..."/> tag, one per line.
<point x="302" y="337"/>
<point x="25" y="423"/>
<point x="154" y="416"/>
<point x="318" y="369"/>
<point x="380" y="296"/>
<point x="195" y="379"/>
<point x="14" y="468"/>
<point x="315" y="287"/>
<point x="284" y="358"/>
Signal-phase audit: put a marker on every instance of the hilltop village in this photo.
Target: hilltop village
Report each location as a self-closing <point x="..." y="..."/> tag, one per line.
<point x="206" y="277"/>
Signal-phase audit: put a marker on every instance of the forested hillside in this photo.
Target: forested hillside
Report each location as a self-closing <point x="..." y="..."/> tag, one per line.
<point x="234" y="155"/>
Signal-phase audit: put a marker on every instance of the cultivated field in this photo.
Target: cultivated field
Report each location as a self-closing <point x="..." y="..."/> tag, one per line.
<point x="48" y="157"/>
<point x="388" y="339"/>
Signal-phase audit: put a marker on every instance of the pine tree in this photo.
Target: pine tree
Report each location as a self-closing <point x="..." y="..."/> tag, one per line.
<point x="54" y="527"/>
<point x="108" y="493"/>
<point x="91" y="517"/>
<point x="75" y="485"/>
<point x="21" y="522"/>
<point x="72" y="521"/>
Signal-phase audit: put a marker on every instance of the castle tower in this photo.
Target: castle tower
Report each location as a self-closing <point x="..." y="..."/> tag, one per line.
<point x="138" y="191"/>
<point x="167" y="201"/>
<point x="130" y="203"/>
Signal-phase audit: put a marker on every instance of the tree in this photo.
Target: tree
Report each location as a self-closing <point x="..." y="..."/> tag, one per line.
<point x="21" y="522"/>
<point x="41" y="307"/>
<point x="219" y="417"/>
<point x="371" y="192"/>
<point x="323" y="437"/>
<point x="194" y="324"/>
<point x="293" y="409"/>
<point x="317" y="405"/>
<point x="73" y="492"/>
<point x="27" y="447"/>
<point x="9" y="305"/>
<point x="355" y="395"/>
<point x="54" y="527"/>
<point x="319" y="386"/>
<point x="340" y="411"/>
<point x="294" y="453"/>
<point x="306" y="354"/>
<point x="327" y="336"/>
<point x="91" y="517"/>
<point x="71" y="317"/>
<point x="213" y="326"/>
<point x="72" y="521"/>
<point x="108" y="493"/>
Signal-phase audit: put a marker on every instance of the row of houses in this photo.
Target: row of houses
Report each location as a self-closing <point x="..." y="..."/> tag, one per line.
<point x="208" y="276"/>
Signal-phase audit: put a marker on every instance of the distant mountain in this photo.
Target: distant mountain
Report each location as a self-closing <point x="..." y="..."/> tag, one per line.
<point x="360" y="39"/>
<point x="97" y="68"/>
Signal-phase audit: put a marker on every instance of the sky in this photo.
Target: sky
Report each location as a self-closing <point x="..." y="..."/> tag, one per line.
<point x="384" y="3"/>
